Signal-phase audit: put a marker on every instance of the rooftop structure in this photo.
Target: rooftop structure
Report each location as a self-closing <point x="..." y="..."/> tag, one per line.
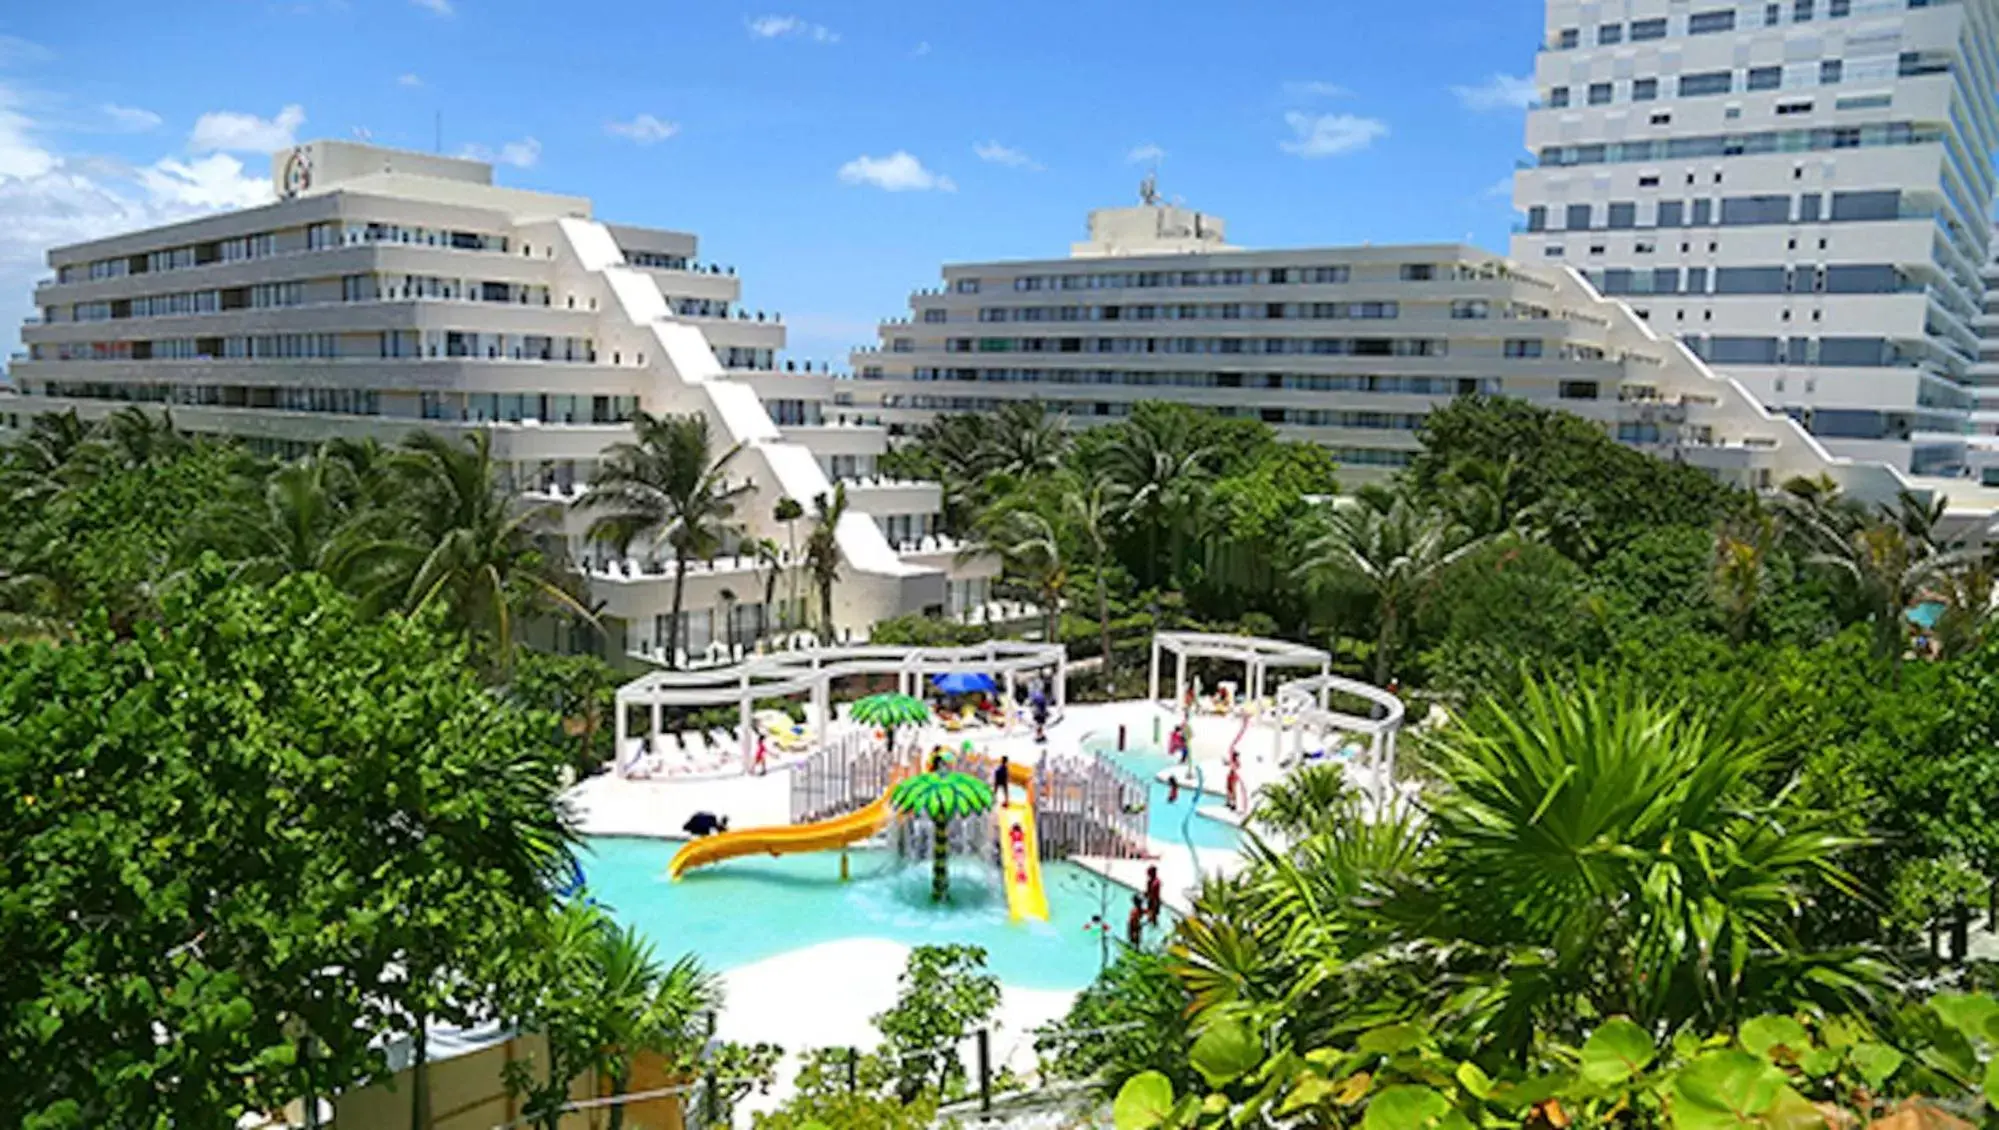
<point x="386" y="291"/>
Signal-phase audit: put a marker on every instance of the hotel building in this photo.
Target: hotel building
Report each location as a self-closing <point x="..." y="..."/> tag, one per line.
<point x="386" y="292"/>
<point x="1800" y="190"/>
<point x="1346" y="347"/>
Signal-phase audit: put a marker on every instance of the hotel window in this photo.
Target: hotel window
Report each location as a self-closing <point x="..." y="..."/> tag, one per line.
<point x="1831" y="71"/>
<point x="1622" y="215"/>
<point x="1772" y="14"/>
<point x="1577" y="218"/>
<point x="1523" y="347"/>
<point x="1801" y="10"/>
<point x="1558" y="97"/>
<point x="1418" y="272"/>
<point x="1642" y="30"/>
<point x="1568" y="38"/>
<point x="1765" y="78"/>
<point x="935" y="315"/>
<point x="966" y="286"/>
<point x="1671" y="213"/>
<point x="1609" y="33"/>
<point x="1705" y="23"/>
<point x="1599" y="93"/>
<point x="1710" y="82"/>
<point x="1537" y="218"/>
<point x="1644" y="89"/>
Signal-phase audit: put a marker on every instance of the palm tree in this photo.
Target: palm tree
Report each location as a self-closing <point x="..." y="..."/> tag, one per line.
<point x="941" y="796"/>
<point x="1742" y="549"/>
<point x="463" y="544"/>
<point x="789" y="512"/>
<point x="1089" y="511"/>
<point x="1886" y="564"/>
<point x="134" y="437"/>
<point x="822" y="552"/>
<point x="647" y="1009"/>
<point x="770" y="563"/>
<point x="1302" y="801"/>
<point x="295" y="524"/>
<point x="664" y="484"/>
<point x="1161" y="475"/>
<point x="1396" y="554"/>
<point x="1490" y="498"/>
<point x="1022" y="440"/>
<point x="1030" y="549"/>
<point x="45" y="461"/>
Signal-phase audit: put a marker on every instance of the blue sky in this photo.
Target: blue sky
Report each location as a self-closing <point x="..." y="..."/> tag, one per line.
<point x="836" y="153"/>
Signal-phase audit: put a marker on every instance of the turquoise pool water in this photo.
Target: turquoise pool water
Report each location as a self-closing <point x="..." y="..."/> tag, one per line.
<point x="748" y="909"/>
<point x="1167" y="820"/>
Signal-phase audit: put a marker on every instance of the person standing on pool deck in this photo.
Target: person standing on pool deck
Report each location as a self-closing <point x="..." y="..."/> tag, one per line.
<point x="1003" y="780"/>
<point x="1235" y="779"/>
<point x="762" y="748"/>
<point x="1152" y="895"/>
<point x="1134" y="926"/>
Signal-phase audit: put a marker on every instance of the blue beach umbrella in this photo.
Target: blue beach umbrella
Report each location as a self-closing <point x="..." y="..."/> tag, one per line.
<point x="964" y="682"/>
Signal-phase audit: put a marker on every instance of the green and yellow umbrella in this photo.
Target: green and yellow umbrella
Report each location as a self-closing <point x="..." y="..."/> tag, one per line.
<point x="942" y="797"/>
<point x="891" y="710"/>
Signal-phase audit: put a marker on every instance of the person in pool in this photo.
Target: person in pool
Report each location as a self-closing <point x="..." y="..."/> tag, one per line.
<point x="1134" y="924"/>
<point x="1152" y="895"/>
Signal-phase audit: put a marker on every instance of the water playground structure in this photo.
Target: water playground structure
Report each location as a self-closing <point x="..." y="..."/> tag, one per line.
<point x="875" y="799"/>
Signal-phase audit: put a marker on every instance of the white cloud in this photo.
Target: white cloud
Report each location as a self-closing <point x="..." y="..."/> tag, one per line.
<point x="779" y="27"/>
<point x="1501" y="189"/>
<point x="204" y="184"/>
<point x="644" y="129"/>
<point x="897" y="172"/>
<point x="232" y="132"/>
<point x="1500" y="92"/>
<point x="1316" y="89"/>
<point x="993" y="152"/>
<point x="1329" y="135"/>
<point x="50" y="198"/>
<point x="409" y="80"/>
<point x="131" y="119"/>
<point x="522" y="154"/>
<point x="436" y="7"/>
<point x="921" y="50"/>
<point x="1147" y="154"/>
<point x="16" y="50"/>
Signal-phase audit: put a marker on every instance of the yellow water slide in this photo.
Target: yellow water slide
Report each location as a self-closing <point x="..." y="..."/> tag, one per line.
<point x="783" y="839"/>
<point x="1020" y="850"/>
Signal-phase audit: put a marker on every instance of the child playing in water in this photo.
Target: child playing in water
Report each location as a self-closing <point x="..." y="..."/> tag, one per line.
<point x="1134" y="925"/>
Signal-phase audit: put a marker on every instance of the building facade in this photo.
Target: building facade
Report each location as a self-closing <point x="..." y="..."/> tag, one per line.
<point x="1345" y="347"/>
<point x="1798" y="189"/>
<point x="386" y="292"/>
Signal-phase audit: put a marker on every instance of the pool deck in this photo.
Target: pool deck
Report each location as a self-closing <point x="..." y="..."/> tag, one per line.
<point x="851" y="980"/>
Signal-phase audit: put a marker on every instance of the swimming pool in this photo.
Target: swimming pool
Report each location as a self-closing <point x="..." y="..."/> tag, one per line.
<point x="745" y="910"/>
<point x="1167" y="820"/>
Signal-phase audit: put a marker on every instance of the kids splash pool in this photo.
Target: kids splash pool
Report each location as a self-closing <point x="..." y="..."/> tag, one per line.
<point x="749" y="909"/>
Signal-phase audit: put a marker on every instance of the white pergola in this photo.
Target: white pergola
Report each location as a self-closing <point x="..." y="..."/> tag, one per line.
<point x="1302" y="704"/>
<point x="1257" y="655"/>
<point x="812" y="671"/>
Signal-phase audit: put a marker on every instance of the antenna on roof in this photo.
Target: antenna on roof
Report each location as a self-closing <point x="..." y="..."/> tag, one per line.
<point x="1148" y="189"/>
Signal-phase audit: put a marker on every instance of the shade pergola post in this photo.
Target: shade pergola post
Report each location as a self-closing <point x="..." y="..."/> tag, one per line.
<point x="622" y="726"/>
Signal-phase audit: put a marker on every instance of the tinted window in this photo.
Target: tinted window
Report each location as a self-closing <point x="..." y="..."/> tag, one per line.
<point x="1737" y="210"/>
<point x="1866" y="205"/>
